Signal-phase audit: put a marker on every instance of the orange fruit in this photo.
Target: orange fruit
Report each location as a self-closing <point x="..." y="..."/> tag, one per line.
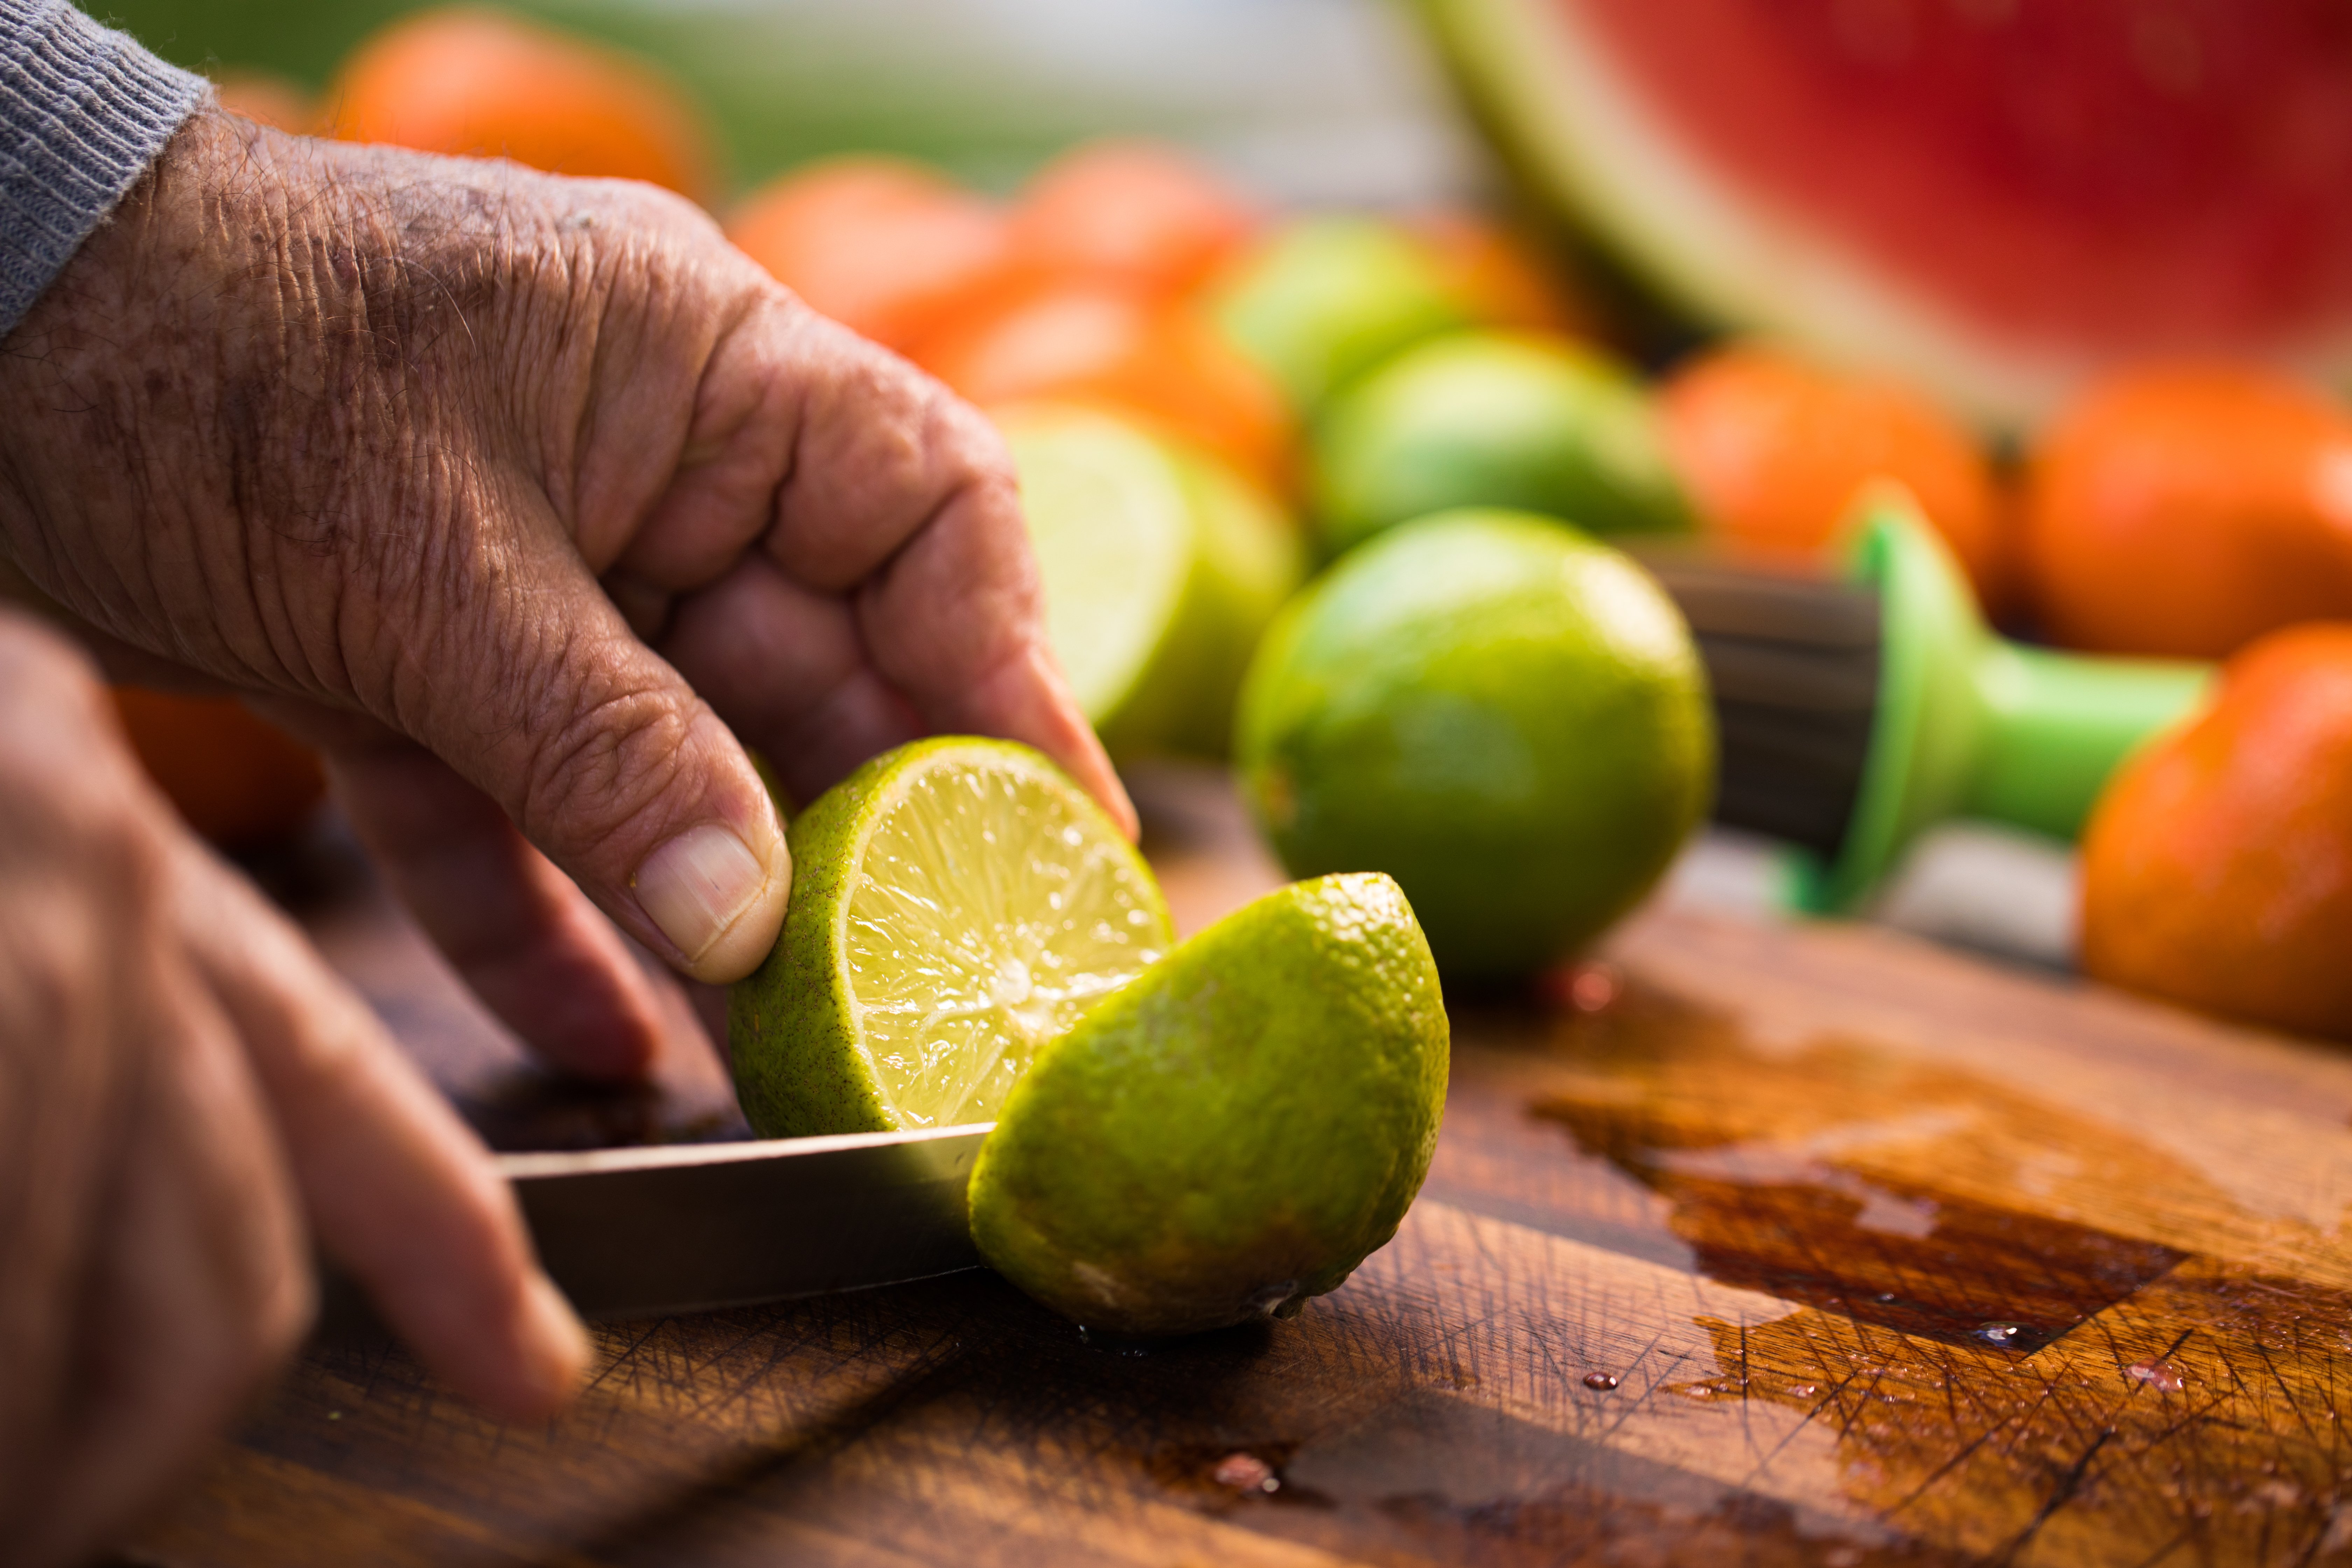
<point x="1500" y="277"/>
<point x="1771" y="448"/>
<point x="1109" y="347"/>
<point x="267" y="99"/>
<point x="236" y="778"/>
<point x="2186" y="509"/>
<point x="2217" y="869"/>
<point x="481" y="82"/>
<point x="1130" y="213"/>
<point x="883" y="246"/>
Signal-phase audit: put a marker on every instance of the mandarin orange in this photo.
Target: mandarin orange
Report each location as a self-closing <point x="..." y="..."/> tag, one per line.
<point x="2186" y="509"/>
<point x="267" y="99"/>
<point x="1771" y="448"/>
<point x="2217" y="869"/>
<point x="1133" y="215"/>
<point x="467" y="80"/>
<point x="884" y="245"/>
<point x="1110" y="347"/>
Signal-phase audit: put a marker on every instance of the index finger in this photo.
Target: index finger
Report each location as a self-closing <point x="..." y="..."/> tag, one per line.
<point x="400" y="1192"/>
<point x="956" y="622"/>
<point x="866" y="482"/>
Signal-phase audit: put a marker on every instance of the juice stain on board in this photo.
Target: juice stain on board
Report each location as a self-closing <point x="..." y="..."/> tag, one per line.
<point x="2005" y="1381"/>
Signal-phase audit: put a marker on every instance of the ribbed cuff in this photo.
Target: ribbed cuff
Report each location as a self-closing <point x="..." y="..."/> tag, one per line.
<point x="83" y="112"/>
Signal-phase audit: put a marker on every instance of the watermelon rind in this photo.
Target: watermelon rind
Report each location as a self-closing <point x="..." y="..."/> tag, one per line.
<point x="1586" y="138"/>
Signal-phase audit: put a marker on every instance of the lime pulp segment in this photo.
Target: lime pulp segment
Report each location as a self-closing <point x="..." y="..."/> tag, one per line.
<point x="989" y="911"/>
<point x="1108" y="517"/>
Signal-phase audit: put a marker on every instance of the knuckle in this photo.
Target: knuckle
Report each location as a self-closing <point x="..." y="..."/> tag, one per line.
<point x="602" y="760"/>
<point x="978" y="455"/>
<point x="270" y="1298"/>
<point x="286" y="1300"/>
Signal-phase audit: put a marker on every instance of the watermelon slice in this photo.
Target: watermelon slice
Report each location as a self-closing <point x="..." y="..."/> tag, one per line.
<point x="1992" y="197"/>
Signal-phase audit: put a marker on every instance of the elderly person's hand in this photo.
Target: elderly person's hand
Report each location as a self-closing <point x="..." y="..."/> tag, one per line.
<point x="541" y="479"/>
<point x="185" y="1092"/>
<point x="524" y="498"/>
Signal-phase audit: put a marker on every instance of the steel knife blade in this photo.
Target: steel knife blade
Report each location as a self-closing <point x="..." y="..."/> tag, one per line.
<point x="651" y="1232"/>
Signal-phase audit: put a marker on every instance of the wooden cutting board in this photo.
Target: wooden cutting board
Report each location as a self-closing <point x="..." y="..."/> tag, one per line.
<point x="1750" y="1243"/>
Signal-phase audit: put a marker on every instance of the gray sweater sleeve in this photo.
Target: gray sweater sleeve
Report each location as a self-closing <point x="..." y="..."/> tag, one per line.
<point x="83" y="112"/>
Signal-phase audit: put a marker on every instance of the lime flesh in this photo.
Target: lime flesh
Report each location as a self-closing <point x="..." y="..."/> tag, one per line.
<point x="1161" y="569"/>
<point x="1233" y="1132"/>
<point x="956" y="904"/>
<point x="1112" y="527"/>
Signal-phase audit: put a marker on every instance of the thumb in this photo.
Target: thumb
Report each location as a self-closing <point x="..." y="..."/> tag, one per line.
<point x="535" y="689"/>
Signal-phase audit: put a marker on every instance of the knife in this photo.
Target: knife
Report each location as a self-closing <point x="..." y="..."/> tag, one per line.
<point x="651" y="1232"/>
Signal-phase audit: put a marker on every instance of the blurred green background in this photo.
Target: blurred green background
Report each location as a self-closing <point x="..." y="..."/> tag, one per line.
<point x="1307" y="100"/>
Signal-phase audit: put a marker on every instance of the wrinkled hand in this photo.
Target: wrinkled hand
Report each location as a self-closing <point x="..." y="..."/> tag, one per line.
<point x="183" y="1091"/>
<point x="517" y="494"/>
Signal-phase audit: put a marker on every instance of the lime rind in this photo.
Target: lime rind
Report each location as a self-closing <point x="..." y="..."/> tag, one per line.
<point x="956" y="904"/>
<point x="1495" y="420"/>
<point x="1329" y="296"/>
<point x="1232" y="1133"/>
<point x="1247" y="561"/>
<point x="1506" y="715"/>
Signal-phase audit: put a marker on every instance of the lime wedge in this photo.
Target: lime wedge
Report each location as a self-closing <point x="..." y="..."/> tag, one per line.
<point x="1233" y="1132"/>
<point x="1163" y="567"/>
<point x="1113" y="529"/>
<point x="956" y="904"/>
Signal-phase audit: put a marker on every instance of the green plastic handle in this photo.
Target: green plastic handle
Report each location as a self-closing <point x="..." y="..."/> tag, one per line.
<point x="1969" y="724"/>
<point x="2055" y="726"/>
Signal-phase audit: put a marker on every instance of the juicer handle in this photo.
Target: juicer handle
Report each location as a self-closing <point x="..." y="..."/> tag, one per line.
<point x="2056" y="726"/>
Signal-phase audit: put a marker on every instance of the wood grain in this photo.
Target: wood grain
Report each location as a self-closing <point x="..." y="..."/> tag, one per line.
<point x="1762" y="1244"/>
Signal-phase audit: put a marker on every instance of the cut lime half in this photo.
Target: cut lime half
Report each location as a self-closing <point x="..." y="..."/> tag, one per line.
<point x="1161" y="569"/>
<point x="1113" y="529"/>
<point x="956" y="904"/>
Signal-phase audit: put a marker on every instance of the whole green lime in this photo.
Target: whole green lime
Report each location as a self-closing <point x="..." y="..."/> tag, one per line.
<point x="1499" y="419"/>
<point x="1235" y="1129"/>
<point x="1325" y="299"/>
<point x="1498" y="711"/>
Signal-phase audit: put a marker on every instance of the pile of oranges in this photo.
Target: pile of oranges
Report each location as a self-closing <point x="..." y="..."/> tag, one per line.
<point x="2190" y="510"/>
<point x="1090" y="286"/>
<point x="2184" y="509"/>
<point x="1095" y="284"/>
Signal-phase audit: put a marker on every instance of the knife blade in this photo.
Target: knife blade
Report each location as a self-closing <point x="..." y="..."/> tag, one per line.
<point x="651" y="1232"/>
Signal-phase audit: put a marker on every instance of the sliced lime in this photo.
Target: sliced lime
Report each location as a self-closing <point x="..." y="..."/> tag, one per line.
<point x="1232" y="1133"/>
<point x="1161" y="567"/>
<point x="956" y="904"/>
<point x="1112" y="527"/>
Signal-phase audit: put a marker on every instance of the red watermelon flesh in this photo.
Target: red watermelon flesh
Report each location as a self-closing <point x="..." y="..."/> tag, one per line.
<point x="2112" y="171"/>
<point x="2067" y="182"/>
